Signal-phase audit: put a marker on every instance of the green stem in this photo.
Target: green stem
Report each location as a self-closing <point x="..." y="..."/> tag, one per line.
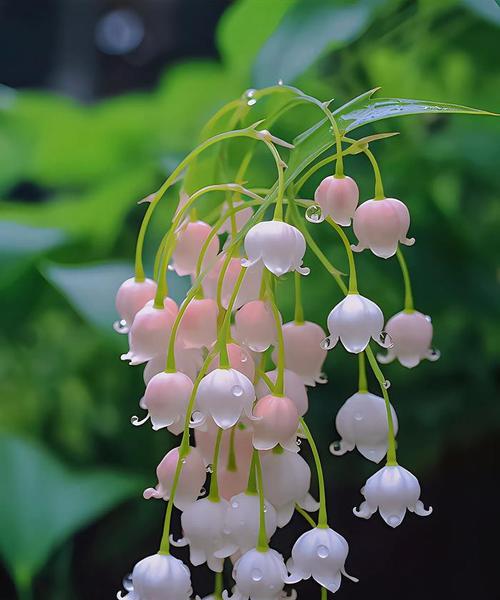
<point x="252" y="477"/>
<point x="219" y="586"/>
<point x="322" y="515"/>
<point x="278" y="209"/>
<point x="379" y="188"/>
<point x="232" y="465"/>
<point x="225" y="331"/>
<point x="306" y="515"/>
<point x="324" y="593"/>
<point x="339" y="164"/>
<point x="362" y="384"/>
<point x="262" y="545"/>
<point x="299" y="309"/>
<point x="353" y="281"/>
<point x="280" y="377"/>
<point x="406" y="277"/>
<point x="213" y="495"/>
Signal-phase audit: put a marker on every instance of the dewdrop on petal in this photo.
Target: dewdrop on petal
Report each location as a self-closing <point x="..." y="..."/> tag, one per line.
<point x="321" y="554"/>
<point x="294" y="389"/>
<point x="191" y="480"/>
<point x="150" y="331"/>
<point x="198" y="326"/>
<point x="166" y="399"/>
<point x="242" y="520"/>
<point x="190" y="240"/>
<point x="159" y="577"/>
<point x="391" y="491"/>
<point x="362" y="423"/>
<point x="277" y="423"/>
<point x="354" y="320"/>
<point x="254" y="325"/>
<point x="411" y="335"/>
<point x="259" y="576"/>
<point x="278" y="245"/>
<point x="380" y="225"/>
<point x="203" y="529"/>
<point x="303" y="352"/>
<point x="338" y="198"/>
<point x="131" y="296"/>
<point x="287" y="478"/>
<point x="225" y="395"/>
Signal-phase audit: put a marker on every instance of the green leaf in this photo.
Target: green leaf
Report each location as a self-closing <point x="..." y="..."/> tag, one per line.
<point x="306" y="32"/>
<point x="485" y="9"/>
<point x="43" y="504"/>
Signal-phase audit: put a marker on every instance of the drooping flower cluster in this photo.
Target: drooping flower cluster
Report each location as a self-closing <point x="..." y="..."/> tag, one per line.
<point x="227" y="374"/>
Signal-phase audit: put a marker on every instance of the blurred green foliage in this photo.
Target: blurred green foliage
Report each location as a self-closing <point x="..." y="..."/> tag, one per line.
<point x="62" y="257"/>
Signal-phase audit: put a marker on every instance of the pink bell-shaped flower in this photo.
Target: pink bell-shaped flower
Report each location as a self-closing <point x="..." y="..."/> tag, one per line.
<point x="239" y="359"/>
<point x="278" y="245"/>
<point x="191" y="479"/>
<point x="294" y="389"/>
<point x="225" y="395"/>
<point x="354" y="320"/>
<point x="234" y="482"/>
<point x="303" y="352"/>
<point x="242" y="440"/>
<point x="319" y="553"/>
<point x="362" y="423"/>
<point x="198" y="326"/>
<point x="204" y="532"/>
<point x="166" y="399"/>
<point x="240" y="218"/>
<point x="411" y="335"/>
<point x="190" y="240"/>
<point x="255" y="325"/>
<point x="131" y="296"/>
<point x="392" y="491"/>
<point x="150" y="331"/>
<point x="380" y="224"/>
<point x="159" y="577"/>
<point x="277" y="423"/>
<point x="187" y="361"/>
<point x="250" y="286"/>
<point x="338" y="198"/>
<point x="286" y="482"/>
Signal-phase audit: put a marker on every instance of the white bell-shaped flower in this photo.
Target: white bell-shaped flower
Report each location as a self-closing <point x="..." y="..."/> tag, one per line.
<point x="259" y="576"/>
<point x="303" y="351"/>
<point x="203" y="529"/>
<point x="190" y="240"/>
<point x="380" y="224"/>
<point x="280" y="246"/>
<point x="362" y="423"/>
<point x="198" y="326"/>
<point x="294" y="389"/>
<point x="277" y="423"/>
<point x="150" y="331"/>
<point x="131" y="296"/>
<point x="166" y="399"/>
<point x="255" y="326"/>
<point x="321" y="554"/>
<point x="354" y="320"/>
<point x="225" y="395"/>
<point x="411" y="335"/>
<point x="391" y="491"/>
<point x="159" y="577"/>
<point x="250" y="286"/>
<point x="191" y="480"/>
<point x="242" y="520"/>
<point x="286" y="481"/>
<point x="338" y="198"/>
<point x="187" y="361"/>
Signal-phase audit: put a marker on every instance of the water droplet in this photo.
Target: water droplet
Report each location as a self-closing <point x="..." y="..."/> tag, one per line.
<point x="434" y="354"/>
<point x="327" y="343"/>
<point x="250" y="93"/>
<point x="358" y="417"/>
<point x="256" y="574"/>
<point x="428" y="318"/>
<point x="280" y="82"/>
<point x="127" y="584"/>
<point x="243" y="357"/>
<point x="252" y="101"/>
<point x="120" y="326"/>
<point x="235" y="504"/>
<point x="394" y="520"/>
<point x="170" y="268"/>
<point x="183" y="461"/>
<point x="314" y="214"/>
<point x="385" y="340"/>
<point x="237" y="390"/>
<point x="387" y="384"/>
<point x="322" y="551"/>
<point x="336" y="446"/>
<point x="265" y="508"/>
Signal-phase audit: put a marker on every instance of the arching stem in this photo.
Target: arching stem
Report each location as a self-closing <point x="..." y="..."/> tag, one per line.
<point x="262" y="545"/>
<point x="409" y="308"/>
<point x="322" y="515"/>
<point x="353" y="280"/>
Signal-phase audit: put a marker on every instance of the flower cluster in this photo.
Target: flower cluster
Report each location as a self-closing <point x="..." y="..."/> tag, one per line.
<point x="229" y="375"/>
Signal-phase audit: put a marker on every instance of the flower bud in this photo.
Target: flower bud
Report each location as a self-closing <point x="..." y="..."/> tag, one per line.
<point x="338" y="198"/>
<point x="242" y="520"/>
<point x="277" y="423"/>
<point x="190" y="240"/>
<point x="278" y="245"/>
<point x="380" y="224"/>
<point x="255" y="325"/>
<point x="131" y="296"/>
<point x="391" y="491"/>
<point x="294" y="389"/>
<point x="198" y="326"/>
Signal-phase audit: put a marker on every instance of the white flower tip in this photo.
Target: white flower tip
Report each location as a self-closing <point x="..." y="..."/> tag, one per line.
<point x="136" y="422"/>
<point x="408" y="241"/>
<point x="337" y="448"/>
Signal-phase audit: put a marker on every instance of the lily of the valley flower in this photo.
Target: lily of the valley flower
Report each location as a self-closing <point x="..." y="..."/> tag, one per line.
<point x="254" y="326"/>
<point x="203" y="529"/>
<point x="198" y="326"/>
<point x="191" y="480"/>
<point x="277" y="423"/>
<point x="240" y="218"/>
<point x="380" y="224"/>
<point x="294" y="389"/>
<point x="287" y="478"/>
<point x="240" y="359"/>
<point x="319" y="553"/>
<point x="392" y="491"/>
<point x="250" y="286"/>
<point x="131" y="296"/>
<point x="354" y="320"/>
<point x="159" y="577"/>
<point x="190" y="240"/>
<point x="362" y="423"/>
<point x="187" y="361"/>
<point x="279" y="246"/>
<point x="338" y="198"/>
<point x="411" y="335"/>
<point x="225" y="395"/>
